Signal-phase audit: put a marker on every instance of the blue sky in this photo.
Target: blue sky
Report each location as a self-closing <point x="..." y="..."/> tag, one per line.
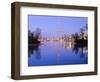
<point x="53" y="26"/>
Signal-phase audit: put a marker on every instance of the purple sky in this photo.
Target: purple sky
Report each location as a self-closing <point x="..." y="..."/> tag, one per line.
<point x="52" y="26"/>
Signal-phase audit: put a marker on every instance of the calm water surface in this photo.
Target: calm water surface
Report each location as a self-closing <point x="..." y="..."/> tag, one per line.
<point x="56" y="53"/>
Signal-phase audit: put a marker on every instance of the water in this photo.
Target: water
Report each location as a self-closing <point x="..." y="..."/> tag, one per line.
<point x="56" y="53"/>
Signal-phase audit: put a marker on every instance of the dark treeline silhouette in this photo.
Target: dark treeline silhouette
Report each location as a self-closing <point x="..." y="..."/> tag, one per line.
<point x="33" y="42"/>
<point x="33" y="37"/>
<point x="79" y="42"/>
<point x="81" y="39"/>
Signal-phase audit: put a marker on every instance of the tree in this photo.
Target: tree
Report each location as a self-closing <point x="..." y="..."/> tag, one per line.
<point x="37" y="33"/>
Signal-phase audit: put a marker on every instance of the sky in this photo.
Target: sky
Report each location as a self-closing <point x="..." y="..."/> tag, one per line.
<point x="55" y="26"/>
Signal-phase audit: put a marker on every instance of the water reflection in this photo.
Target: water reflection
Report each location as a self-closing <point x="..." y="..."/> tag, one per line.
<point x="82" y="48"/>
<point x="34" y="50"/>
<point x="56" y="53"/>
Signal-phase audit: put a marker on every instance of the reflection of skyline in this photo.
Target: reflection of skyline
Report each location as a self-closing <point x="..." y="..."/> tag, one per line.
<point x="35" y="50"/>
<point x="55" y="26"/>
<point x="61" y="54"/>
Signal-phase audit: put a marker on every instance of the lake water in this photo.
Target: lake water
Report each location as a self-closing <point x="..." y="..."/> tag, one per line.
<point x="56" y="53"/>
